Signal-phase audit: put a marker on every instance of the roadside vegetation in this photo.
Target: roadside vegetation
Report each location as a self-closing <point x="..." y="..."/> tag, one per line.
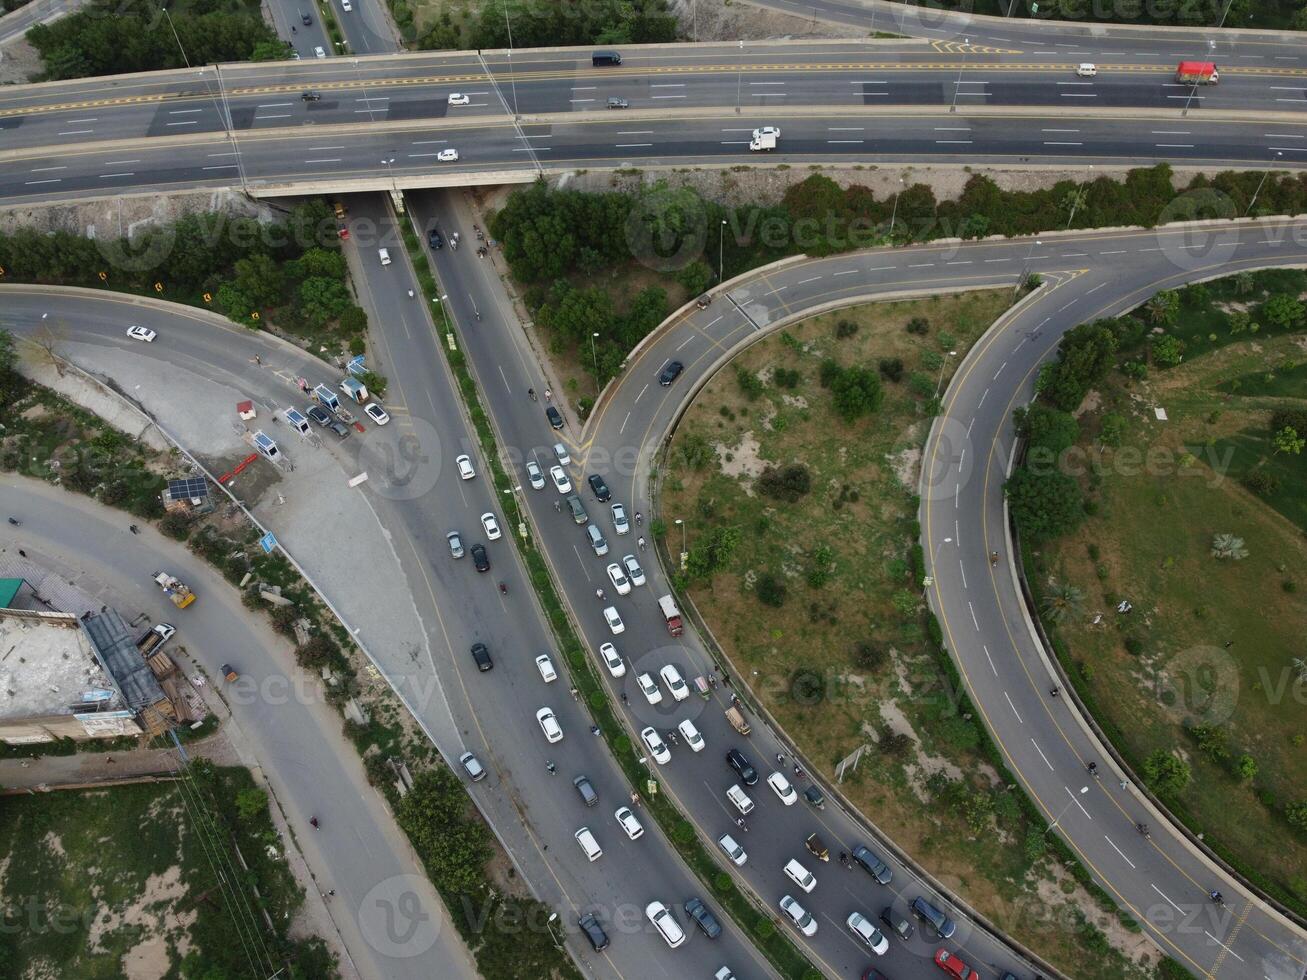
<point x="1277" y="14"/>
<point x="111" y="37"/>
<point x="1198" y="521"/>
<point x="184" y="878"/>
<point x="795" y="473"/>
<point x="614" y="264"/>
<point x="477" y="25"/>
<point x="288" y="277"/>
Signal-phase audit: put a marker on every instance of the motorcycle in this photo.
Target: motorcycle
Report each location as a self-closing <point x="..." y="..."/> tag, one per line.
<point x="503" y="589"/>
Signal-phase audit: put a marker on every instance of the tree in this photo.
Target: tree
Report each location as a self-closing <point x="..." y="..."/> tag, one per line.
<point x="268" y="51"/>
<point x="322" y="300"/>
<point x="1062" y="600"/>
<point x="1168" y="351"/>
<point x="260" y="279"/>
<point x="250" y="803"/>
<point x="856" y="392"/>
<point x="1085" y="355"/>
<point x="1283" y="310"/>
<point x="786" y="483"/>
<point x="770" y="590"/>
<point x="1163" y="308"/>
<point x="1245" y="767"/>
<point x="712" y="553"/>
<point x="1228" y="546"/>
<point x="454" y="848"/>
<point x="1044" y="503"/>
<point x="1296" y="814"/>
<point x="1288" y="441"/>
<point x="1166" y="773"/>
<point x="1046" y="428"/>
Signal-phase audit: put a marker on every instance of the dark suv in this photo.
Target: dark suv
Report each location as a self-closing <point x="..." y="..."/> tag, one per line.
<point x="593" y="932"/>
<point x="705" y="920"/>
<point x="873" y="865"/>
<point x="434" y="239"/>
<point x="897" y="924"/>
<point x="319" y="414"/>
<point x="555" y="417"/>
<point x="600" y="488"/>
<point x="748" y="774"/>
<point x="482" y="657"/>
<point x="479" y="557"/>
<point x="670" y="373"/>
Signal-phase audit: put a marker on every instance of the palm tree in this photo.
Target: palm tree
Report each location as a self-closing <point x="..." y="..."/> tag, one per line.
<point x="1243" y="283"/>
<point x="1228" y="546"/>
<point x="1062" y="600"/>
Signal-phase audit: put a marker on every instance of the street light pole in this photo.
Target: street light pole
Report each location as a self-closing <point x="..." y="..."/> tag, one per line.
<point x="1075" y="201"/>
<point x="895" y="212"/>
<point x="594" y="356"/>
<point x="966" y="41"/>
<point x="739" y="78"/>
<point x="1025" y="268"/>
<point x="512" y="78"/>
<point x="721" y="240"/>
<point x="1278" y="154"/>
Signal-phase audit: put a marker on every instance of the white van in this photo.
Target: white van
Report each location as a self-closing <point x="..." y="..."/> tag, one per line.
<point x="740" y="798"/>
<point x="589" y="846"/>
<point x="384" y="253"/>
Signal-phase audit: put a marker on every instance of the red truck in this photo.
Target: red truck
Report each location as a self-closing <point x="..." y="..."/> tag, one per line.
<point x="1197" y="73"/>
<point x="670" y="613"/>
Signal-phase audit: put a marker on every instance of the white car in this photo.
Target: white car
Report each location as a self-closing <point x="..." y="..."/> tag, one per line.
<point x="613" y="660"/>
<point x="561" y="452"/>
<point x="732" y="849"/>
<point x="661" y="916"/>
<point x="346" y="6"/>
<point x="767" y="131"/>
<point x="782" y="788"/>
<point x="546" y="668"/>
<point x="1086" y="69"/>
<point x="141" y="333"/>
<point x="376" y="413"/>
<point x="691" y="735"/>
<point x="549" y="725"/>
<point x="614" y="621"/>
<point x="800" y="875"/>
<point x="675" y="683"/>
<point x="534" y="476"/>
<point x="649" y="689"/>
<point x="633" y="569"/>
<point x="802" y="919"/>
<point x="861" y="927"/>
<point x="561" y="483"/>
<point x="620" y="582"/>
<point x="464" y="464"/>
<point x="657" y="748"/>
<point x="620" y="524"/>
<point x="458" y="98"/>
<point x="447" y="156"/>
<point x="628" y="823"/>
<point x="318" y="52"/>
<point x="491" y="525"/>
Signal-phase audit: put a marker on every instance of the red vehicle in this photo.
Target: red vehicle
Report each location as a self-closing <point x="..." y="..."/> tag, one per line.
<point x="1197" y="73"/>
<point x="954" y="967"/>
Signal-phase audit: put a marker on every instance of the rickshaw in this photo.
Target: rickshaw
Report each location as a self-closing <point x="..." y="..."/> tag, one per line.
<point x="701" y="687"/>
<point x="817" y="847"/>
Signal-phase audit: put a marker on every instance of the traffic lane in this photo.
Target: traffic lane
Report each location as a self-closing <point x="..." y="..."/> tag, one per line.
<point x="493" y="707"/>
<point x="296" y="738"/>
<point x="565" y="539"/>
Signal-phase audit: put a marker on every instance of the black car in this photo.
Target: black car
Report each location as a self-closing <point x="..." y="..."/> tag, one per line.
<point x="872" y="864"/>
<point x="705" y="920"/>
<point x="600" y="488"/>
<point x="480" y="558"/>
<point x="338" y="427"/>
<point x="319" y="414"/>
<point x="737" y="761"/>
<point x="616" y="102"/>
<point x="554" y="416"/>
<point x="434" y="239"/>
<point x="874" y="974"/>
<point x="897" y="924"/>
<point x="482" y="657"/>
<point x="670" y="373"/>
<point x="310" y="97"/>
<point x="305" y="19"/>
<point x="593" y="932"/>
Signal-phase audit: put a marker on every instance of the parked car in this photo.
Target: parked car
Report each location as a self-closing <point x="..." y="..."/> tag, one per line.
<point x="338" y="427"/>
<point x="670" y="373"/>
<point x="737" y="761"/>
<point x="872" y="864"/>
<point x="546" y="667"/>
<point x="732" y="849"/>
<point x="953" y="966"/>
<point x="555" y="417"/>
<point x="482" y="657"/>
<point x="562" y="455"/>
<point x="455" y="544"/>
<point x="319" y="415"/>
<point x="376" y="413"/>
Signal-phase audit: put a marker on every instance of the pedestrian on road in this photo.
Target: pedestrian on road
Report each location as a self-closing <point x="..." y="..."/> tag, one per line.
<point x="558" y="506"/>
<point x="1054" y="692"/>
<point x="22" y="553"/>
<point x="594" y="729"/>
<point x="1229" y="643"/>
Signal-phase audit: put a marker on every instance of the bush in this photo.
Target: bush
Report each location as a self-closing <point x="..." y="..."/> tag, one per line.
<point x="751" y="385"/>
<point x="918" y="325"/>
<point x="1166" y="773"/>
<point x="786" y="377"/>
<point x="1262" y="483"/>
<point x="868" y="657"/>
<point x="176" y="524"/>
<point x="828" y="373"/>
<point x="1044" y="504"/>
<point x="845" y="329"/>
<point x="787" y="483"/>
<point x="856" y="392"/>
<point x="771" y="590"/>
<point x="1084" y="356"/>
<point x="891" y="368"/>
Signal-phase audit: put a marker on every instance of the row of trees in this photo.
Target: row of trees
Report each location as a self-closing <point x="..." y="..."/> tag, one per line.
<point x="109" y="37"/>
<point x="588" y="317"/>
<point x="548" y="23"/>
<point x="1280" y="14"/>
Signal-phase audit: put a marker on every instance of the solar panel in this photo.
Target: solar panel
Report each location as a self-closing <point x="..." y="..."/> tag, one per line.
<point x="192" y="487"/>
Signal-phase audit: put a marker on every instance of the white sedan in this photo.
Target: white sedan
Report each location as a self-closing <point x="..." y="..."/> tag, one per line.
<point x="675" y="683"/>
<point x="796" y="913"/>
<point x="613" y="660"/>
<point x="614" y="621"/>
<point x="649" y="689"/>
<point x="491" y="525"/>
<point x="464" y="464"/>
<point x="318" y="52"/>
<point x="447" y="156"/>
<point x="376" y="413"/>
<point x="141" y="333"/>
<point x="620" y="582"/>
<point x="782" y="788"/>
<point x="546" y="668"/>
<point x="534" y="475"/>
<point x="628" y="823"/>
<point x="654" y="743"/>
<point x="458" y="98"/>
<point x="549" y="725"/>
<point x="691" y="735"/>
<point x="633" y="569"/>
<point x="620" y="524"/>
<point x="561" y="483"/>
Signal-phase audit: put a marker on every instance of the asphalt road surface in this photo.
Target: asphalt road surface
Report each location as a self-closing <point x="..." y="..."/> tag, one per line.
<point x="357" y="850"/>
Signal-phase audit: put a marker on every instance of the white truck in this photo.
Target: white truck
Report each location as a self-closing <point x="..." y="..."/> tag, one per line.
<point x="764" y="139"/>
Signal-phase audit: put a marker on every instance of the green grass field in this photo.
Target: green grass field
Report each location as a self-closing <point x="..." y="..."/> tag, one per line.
<point x="843" y="661"/>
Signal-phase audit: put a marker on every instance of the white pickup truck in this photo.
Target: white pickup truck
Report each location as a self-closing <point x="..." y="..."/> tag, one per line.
<point x="765" y="138"/>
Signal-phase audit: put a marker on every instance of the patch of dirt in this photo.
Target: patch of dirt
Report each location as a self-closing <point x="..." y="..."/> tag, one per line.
<point x="147" y="959"/>
<point x="741" y="461"/>
<point x="19" y="61"/>
<point x="1058" y="890"/>
<point x="1091" y="403"/>
<point x="55" y="845"/>
<point x="906" y="465"/>
<point x="155" y="912"/>
<point x="925" y="765"/>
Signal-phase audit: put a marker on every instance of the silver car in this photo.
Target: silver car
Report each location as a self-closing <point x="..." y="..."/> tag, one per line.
<point x="620" y="523"/>
<point x="455" y="544"/>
